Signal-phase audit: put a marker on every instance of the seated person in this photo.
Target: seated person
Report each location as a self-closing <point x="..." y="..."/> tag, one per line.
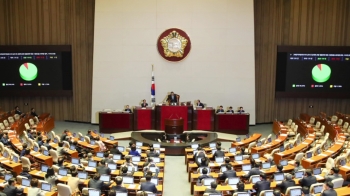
<point x="333" y="174"/>
<point x="64" y="135"/>
<point x="10" y="189"/>
<point x="297" y="166"/>
<point x="33" y="113"/>
<point x="173" y="98"/>
<point x="144" y="103"/>
<point x="328" y="189"/>
<point x="61" y="149"/>
<point x="47" y="144"/>
<point x="212" y="188"/>
<point x="25" y="173"/>
<point x="308" y="179"/>
<point x="152" y="153"/>
<point x="98" y="184"/>
<point x="5" y="139"/>
<point x="164" y="138"/>
<point x="220" y="110"/>
<point x="60" y="162"/>
<point x="204" y="175"/>
<point x="127" y="109"/>
<point x="240" y="110"/>
<point x="254" y="171"/>
<point x="134" y="152"/>
<point x="204" y="162"/>
<point x="148" y="185"/>
<point x="34" y="190"/>
<point x="108" y="158"/>
<point x="102" y="168"/>
<point x="288" y="182"/>
<point x="17" y="111"/>
<point x="200" y="153"/>
<point x="100" y="144"/>
<point x="199" y="104"/>
<point x="262" y="185"/>
<point x="229" y="173"/>
<point x="115" y="150"/>
<point x="89" y="134"/>
<point x="146" y="169"/>
<point x="226" y="162"/>
<point x="219" y="152"/>
<point x="118" y="187"/>
<point x="40" y="141"/>
<point x="124" y="171"/>
<point x="23" y="151"/>
<point x="230" y="110"/>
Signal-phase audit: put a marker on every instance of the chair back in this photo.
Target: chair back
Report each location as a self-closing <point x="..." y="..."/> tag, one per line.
<point x="63" y="190"/>
<point x="54" y="155"/>
<point x="11" y="120"/>
<point x="26" y="125"/>
<point x="313" y="185"/>
<point x="340" y="122"/>
<point x="252" y="176"/>
<point x="55" y="168"/>
<point x="6" y="123"/>
<point x="330" y="163"/>
<point x="346" y="125"/>
<point x="235" y="194"/>
<point x="17" y="117"/>
<point x="25" y="162"/>
<point x="66" y="144"/>
<point x="312" y="120"/>
<point x="290" y="188"/>
<point x="19" y="179"/>
<point x="43" y="148"/>
<point x="58" y="138"/>
<point x="322" y="128"/>
<point x="289" y="122"/>
<point x="337" y="183"/>
<point x="31" y="122"/>
<point x="262" y="193"/>
<point x="2" y="126"/>
<point x="299" y="156"/>
<point x="87" y="139"/>
<point x="334" y="118"/>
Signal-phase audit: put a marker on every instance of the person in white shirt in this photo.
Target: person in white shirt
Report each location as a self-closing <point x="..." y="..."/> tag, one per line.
<point x="34" y="190"/>
<point x="101" y="144"/>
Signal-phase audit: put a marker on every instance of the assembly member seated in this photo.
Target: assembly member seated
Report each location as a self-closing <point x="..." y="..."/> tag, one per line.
<point x="240" y="110"/>
<point x="119" y="188"/>
<point x="229" y="173"/>
<point x="262" y="185"/>
<point x="288" y="182"/>
<point x="199" y="104"/>
<point x="144" y="103"/>
<point x="328" y="190"/>
<point x="173" y="98"/>
<point x="127" y="109"/>
<point x="148" y="185"/>
<point x="212" y="188"/>
<point x="220" y="110"/>
<point x="230" y="110"/>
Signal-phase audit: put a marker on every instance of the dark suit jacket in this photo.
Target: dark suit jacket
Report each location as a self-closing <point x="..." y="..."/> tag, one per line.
<point x="261" y="186"/>
<point x="172" y="100"/>
<point x="329" y="178"/>
<point x="11" y="190"/>
<point x="144" y="105"/>
<point x="148" y="186"/>
<point x="228" y="174"/>
<point x="128" y="110"/>
<point x="219" y="153"/>
<point x="96" y="184"/>
<point x="18" y="112"/>
<point x="26" y="174"/>
<point x="152" y="154"/>
<point x="240" y="110"/>
<point x="232" y="111"/>
<point x="307" y="181"/>
<point x="220" y="110"/>
<point x="103" y="170"/>
<point x="119" y="189"/>
<point x="200" y="104"/>
<point x="330" y="192"/>
<point x="211" y="191"/>
<point x="33" y="114"/>
<point x="285" y="184"/>
<point x="201" y="177"/>
<point x="253" y="171"/>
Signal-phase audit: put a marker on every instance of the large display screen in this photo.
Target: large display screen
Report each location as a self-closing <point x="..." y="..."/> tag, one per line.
<point x="36" y="70"/>
<point x="313" y="72"/>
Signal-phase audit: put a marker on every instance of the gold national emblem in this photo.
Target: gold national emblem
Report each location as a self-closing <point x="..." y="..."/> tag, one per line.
<point x="174" y="44"/>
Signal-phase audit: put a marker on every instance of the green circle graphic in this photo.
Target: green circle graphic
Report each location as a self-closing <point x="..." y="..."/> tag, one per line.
<point x="321" y="73"/>
<point x="28" y="71"/>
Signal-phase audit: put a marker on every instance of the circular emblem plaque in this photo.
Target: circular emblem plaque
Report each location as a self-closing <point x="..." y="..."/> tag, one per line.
<point x="174" y="44"/>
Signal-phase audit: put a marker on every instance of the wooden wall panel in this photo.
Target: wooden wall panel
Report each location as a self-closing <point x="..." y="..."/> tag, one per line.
<point x="295" y="22"/>
<point x="56" y="22"/>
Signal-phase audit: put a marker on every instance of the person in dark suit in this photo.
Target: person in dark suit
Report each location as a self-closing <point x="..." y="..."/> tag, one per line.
<point x="204" y="175"/>
<point x="254" y="171"/>
<point x="33" y="113"/>
<point x="328" y="190"/>
<point x="226" y="162"/>
<point x="221" y="109"/>
<point x="144" y="104"/>
<point x="229" y="173"/>
<point x="333" y="174"/>
<point x="25" y="173"/>
<point x="119" y="188"/>
<point x="219" y="152"/>
<point x="200" y="153"/>
<point x="262" y="185"/>
<point x="288" y="182"/>
<point x="308" y="179"/>
<point x="204" y="162"/>
<point x="10" y="189"/>
<point x="172" y="98"/>
<point x="152" y="153"/>
<point x="17" y="111"/>
<point x="230" y="110"/>
<point x="240" y="109"/>
<point x="127" y="109"/>
<point x="96" y="183"/>
<point x="148" y="185"/>
<point x="297" y="167"/>
<point x="212" y="188"/>
<point x="276" y="192"/>
<point x="279" y="170"/>
<point x="240" y="188"/>
<point x="64" y="135"/>
<point x="199" y="104"/>
<point x="102" y="168"/>
<point x="108" y="158"/>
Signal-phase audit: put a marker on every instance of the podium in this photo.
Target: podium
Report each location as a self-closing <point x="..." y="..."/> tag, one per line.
<point x="174" y="126"/>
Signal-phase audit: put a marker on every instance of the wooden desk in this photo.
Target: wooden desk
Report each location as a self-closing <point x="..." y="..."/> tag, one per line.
<point x="25" y="190"/>
<point x="247" y="141"/>
<point x="313" y="161"/>
<point x="232" y="123"/>
<point x="270" y="146"/>
<point x="72" y="153"/>
<point x="203" y="120"/>
<point x="165" y="112"/>
<point x="138" y="186"/>
<point x="10" y="165"/>
<point x="345" y="171"/>
<point x="292" y="152"/>
<point x="111" y="122"/>
<point x="340" y="191"/>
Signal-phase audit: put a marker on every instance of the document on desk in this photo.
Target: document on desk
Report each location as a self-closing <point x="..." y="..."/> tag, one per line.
<point x="131" y="186"/>
<point x="346" y="167"/>
<point x="234" y="187"/>
<point x="212" y="164"/>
